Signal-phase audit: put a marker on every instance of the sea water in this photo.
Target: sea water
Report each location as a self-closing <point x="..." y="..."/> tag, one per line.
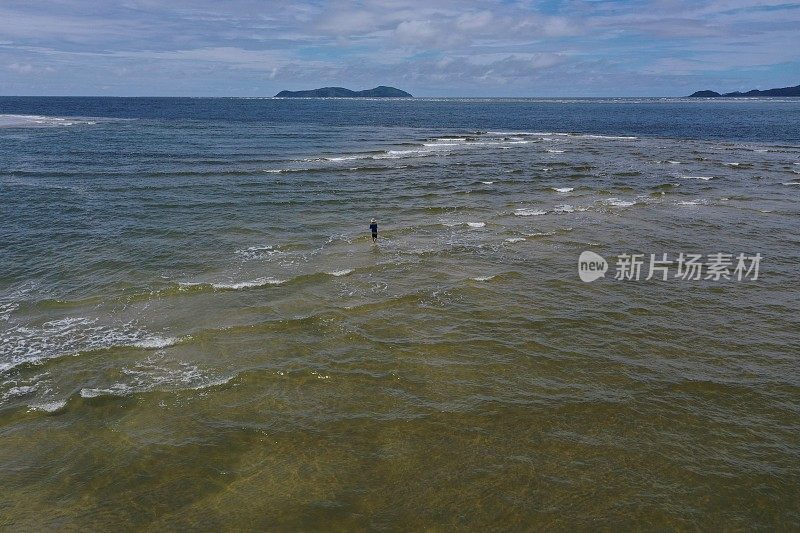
<point x="197" y="331"/>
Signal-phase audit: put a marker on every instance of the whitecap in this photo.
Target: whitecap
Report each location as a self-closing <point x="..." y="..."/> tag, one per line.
<point x="259" y="252"/>
<point x="476" y="224"/>
<point x="286" y="170"/>
<point x="611" y="137"/>
<point x="704" y="178"/>
<point x="487" y="182"/>
<point x="156" y="342"/>
<point x="555" y="151"/>
<point x="616" y="202"/>
<point x="529" y="212"/>
<point x="565" y="208"/>
<point x="49" y="407"/>
<point x="563" y="189"/>
<point x="792" y="183"/>
<point x="515" y="239"/>
<point x="483" y="278"/>
<point x="21" y="390"/>
<point x="117" y="389"/>
<point x="339" y="273"/>
<point x="40" y="121"/>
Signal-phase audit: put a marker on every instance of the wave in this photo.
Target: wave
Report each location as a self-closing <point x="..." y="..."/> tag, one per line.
<point x="698" y="201"/>
<point x="155" y="375"/>
<point x="563" y="134"/>
<point x="563" y="189"/>
<point x="704" y="178"/>
<point x="258" y="282"/>
<point x="204" y="286"/>
<point x="339" y="273"/>
<point x="30" y="344"/>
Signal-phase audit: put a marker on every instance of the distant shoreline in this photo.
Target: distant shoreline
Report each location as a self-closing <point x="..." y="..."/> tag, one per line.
<point x="382" y="91"/>
<point x="782" y="91"/>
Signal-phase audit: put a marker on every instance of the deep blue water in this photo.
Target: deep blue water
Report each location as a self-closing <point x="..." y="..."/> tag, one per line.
<point x="766" y="119"/>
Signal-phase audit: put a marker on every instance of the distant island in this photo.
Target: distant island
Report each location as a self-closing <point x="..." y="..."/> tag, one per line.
<point x="784" y="91"/>
<point x="340" y="92"/>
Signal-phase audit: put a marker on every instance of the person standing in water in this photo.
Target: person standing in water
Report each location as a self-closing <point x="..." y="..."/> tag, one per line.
<point x="373" y="226"/>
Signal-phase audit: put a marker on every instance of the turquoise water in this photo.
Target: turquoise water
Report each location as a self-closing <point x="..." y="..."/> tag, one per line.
<point x="196" y="330"/>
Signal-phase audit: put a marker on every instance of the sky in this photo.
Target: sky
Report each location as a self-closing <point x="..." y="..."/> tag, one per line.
<point x="429" y="48"/>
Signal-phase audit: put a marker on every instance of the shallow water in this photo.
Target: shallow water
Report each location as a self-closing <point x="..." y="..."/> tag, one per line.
<point x="196" y="331"/>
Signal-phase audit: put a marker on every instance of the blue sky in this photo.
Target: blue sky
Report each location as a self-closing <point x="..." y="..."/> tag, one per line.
<point x="430" y="48"/>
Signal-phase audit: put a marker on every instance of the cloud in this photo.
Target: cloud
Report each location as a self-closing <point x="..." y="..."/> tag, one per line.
<point x="428" y="47"/>
<point x="27" y="68"/>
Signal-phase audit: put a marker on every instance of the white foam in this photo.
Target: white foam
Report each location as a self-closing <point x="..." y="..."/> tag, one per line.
<point x="265" y="251"/>
<point x="563" y="189"/>
<point x="611" y="137"/>
<point x="565" y="208"/>
<point x="258" y="282"/>
<point x="704" y="178"/>
<point x="555" y="151"/>
<point x="154" y="374"/>
<point x="156" y="342"/>
<point x="541" y="234"/>
<point x="285" y="170"/>
<point x="49" y="407"/>
<point x="487" y="182"/>
<point x="515" y="239"/>
<point x="483" y="278"/>
<point x="21" y="390"/>
<point x="792" y="183"/>
<point x="526" y="133"/>
<point x="117" y="389"/>
<point x="528" y="212"/>
<point x="339" y="273"/>
<point x="349" y="157"/>
<point x="616" y="202"/>
<point x="70" y="336"/>
<point x="40" y="121"/>
<point x="476" y="224"/>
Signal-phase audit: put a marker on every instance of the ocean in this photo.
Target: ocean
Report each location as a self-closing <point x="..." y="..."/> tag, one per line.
<point x="196" y="330"/>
